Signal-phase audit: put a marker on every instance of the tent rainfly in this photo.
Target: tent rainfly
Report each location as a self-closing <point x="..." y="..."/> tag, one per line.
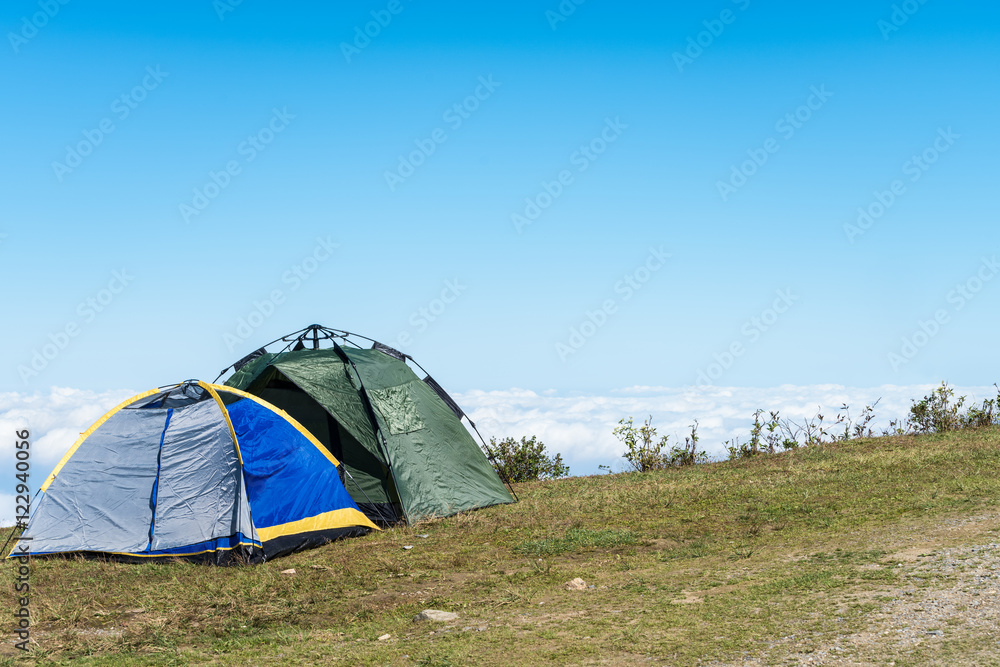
<point x="407" y="455"/>
<point x="196" y="471"/>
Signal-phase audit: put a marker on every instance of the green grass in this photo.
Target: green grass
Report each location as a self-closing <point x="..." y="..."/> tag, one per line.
<point x="575" y="540"/>
<point x="712" y="562"/>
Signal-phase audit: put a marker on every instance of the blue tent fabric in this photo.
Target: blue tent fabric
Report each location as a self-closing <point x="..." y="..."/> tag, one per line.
<point x="286" y="475"/>
<point x="196" y="471"/>
<point x="283" y="480"/>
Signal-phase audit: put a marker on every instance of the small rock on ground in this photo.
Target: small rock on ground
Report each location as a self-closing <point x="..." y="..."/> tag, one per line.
<point x="435" y="615"/>
<point x="577" y="584"/>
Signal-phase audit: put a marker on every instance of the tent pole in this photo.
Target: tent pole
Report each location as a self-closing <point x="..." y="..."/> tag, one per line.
<point x="493" y="459"/>
<point x="262" y="347"/>
<point x="329" y="334"/>
<point x="489" y="452"/>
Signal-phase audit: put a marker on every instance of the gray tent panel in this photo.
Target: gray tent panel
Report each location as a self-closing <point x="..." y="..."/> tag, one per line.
<point x="199" y="488"/>
<point x="114" y="481"/>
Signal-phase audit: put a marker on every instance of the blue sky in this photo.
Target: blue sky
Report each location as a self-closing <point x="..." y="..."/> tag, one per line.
<point x="766" y="282"/>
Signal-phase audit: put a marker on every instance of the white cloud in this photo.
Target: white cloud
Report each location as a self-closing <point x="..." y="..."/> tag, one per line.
<point x="54" y="420"/>
<point x="7" y="510"/>
<point x="580" y="427"/>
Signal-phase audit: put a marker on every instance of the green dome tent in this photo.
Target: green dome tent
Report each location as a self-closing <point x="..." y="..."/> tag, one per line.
<point x="406" y="453"/>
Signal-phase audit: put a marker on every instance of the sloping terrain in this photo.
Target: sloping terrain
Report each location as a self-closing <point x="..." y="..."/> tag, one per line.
<point x="860" y="552"/>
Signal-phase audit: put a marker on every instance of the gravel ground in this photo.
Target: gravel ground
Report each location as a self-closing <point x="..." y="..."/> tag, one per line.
<point x="945" y="611"/>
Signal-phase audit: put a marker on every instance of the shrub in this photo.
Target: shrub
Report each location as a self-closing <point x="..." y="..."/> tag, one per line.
<point x="758" y="444"/>
<point x="767" y="435"/>
<point x="861" y="428"/>
<point x="688" y="454"/>
<point x="937" y="411"/>
<point x="986" y="415"/>
<point x="525" y="460"/>
<point x="644" y="452"/>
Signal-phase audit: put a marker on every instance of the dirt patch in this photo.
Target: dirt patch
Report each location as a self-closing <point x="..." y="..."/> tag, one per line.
<point x="689" y="598"/>
<point x="947" y="601"/>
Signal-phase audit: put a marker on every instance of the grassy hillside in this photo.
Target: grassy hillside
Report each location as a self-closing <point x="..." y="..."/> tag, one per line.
<point x="772" y="558"/>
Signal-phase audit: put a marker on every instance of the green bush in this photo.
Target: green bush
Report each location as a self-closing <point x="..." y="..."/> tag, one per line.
<point x="779" y="433"/>
<point x="644" y="452"/>
<point x="525" y="460"/>
<point x="937" y="411"/>
<point x="985" y="415"/>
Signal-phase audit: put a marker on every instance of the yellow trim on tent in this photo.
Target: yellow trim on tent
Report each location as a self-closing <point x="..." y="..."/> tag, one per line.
<point x="290" y="419"/>
<point x="335" y="519"/>
<point x="86" y="434"/>
<point x="341" y="518"/>
<point x="210" y="388"/>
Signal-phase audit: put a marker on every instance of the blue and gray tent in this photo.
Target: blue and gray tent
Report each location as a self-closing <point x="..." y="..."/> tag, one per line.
<point x="195" y="471"/>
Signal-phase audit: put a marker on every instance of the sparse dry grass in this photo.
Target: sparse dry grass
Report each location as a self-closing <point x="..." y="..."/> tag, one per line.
<point x="711" y="562"/>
